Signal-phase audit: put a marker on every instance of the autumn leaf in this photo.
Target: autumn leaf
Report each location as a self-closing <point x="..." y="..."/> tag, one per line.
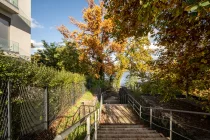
<point x="93" y="40"/>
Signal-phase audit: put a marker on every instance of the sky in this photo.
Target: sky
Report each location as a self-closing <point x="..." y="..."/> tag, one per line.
<point x="48" y="14"/>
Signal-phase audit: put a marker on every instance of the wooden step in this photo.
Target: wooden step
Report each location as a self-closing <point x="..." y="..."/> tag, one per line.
<point x="145" y="135"/>
<point x="118" y="114"/>
<point x="121" y="126"/>
<point x="133" y="139"/>
<point x="111" y="101"/>
<point x="125" y="131"/>
<point x="119" y="122"/>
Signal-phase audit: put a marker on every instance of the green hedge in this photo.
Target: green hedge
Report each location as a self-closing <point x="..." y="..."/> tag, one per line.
<point x="63" y="88"/>
<point x="19" y="70"/>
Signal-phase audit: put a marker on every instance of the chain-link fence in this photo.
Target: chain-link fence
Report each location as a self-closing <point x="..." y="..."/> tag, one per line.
<point x="3" y="111"/>
<point x="26" y="112"/>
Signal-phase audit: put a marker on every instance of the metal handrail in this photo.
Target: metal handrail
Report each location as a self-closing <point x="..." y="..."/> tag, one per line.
<point x="127" y="98"/>
<point x="69" y="130"/>
<point x="97" y="116"/>
<point x="173" y="110"/>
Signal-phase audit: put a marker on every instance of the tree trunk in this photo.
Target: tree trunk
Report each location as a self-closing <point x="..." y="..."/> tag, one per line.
<point x="101" y="71"/>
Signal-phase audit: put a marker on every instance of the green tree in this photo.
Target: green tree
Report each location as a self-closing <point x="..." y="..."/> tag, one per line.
<point x="61" y="57"/>
<point x="48" y="56"/>
<point x="69" y="59"/>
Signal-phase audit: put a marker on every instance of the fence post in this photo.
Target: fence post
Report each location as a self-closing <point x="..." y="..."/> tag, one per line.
<point x="46" y="108"/>
<point x="88" y="128"/>
<point x="96" y="127"/>
<point x="83" y="109"/>
<point x="150" y="118"/>
<point x="140" y="112"/>
<point x="73" y="98"/>
<point x="171" y="122"/>
<point x="80" y="113"/>
<point x="9" y="112"/>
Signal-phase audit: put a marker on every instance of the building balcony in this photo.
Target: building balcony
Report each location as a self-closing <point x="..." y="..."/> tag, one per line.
<point x="9" y="46"/>
<point x="13" y="2"/>
<point x="10" y="6"/>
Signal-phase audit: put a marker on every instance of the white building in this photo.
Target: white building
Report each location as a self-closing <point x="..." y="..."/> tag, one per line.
<point x="15" y="27"/>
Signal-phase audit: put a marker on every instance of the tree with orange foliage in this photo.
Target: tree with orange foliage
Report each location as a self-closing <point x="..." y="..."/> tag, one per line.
<point x="93" y="41"/>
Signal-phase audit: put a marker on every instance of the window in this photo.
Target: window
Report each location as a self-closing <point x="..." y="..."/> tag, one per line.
<point x="4" y="32"/>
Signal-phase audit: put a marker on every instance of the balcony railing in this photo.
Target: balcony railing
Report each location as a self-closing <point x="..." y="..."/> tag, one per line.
<point x="13" y="2"/>
<point x="9" y="46"/>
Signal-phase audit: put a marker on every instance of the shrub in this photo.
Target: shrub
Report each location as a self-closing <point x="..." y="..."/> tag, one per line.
<point x="18" y="70"/>
<point x="28" y="85"/>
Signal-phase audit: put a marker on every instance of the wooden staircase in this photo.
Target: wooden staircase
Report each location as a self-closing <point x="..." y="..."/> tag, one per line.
<point x="112" y="100"/>
<point x="119" y="122"/>
<point x="127" y="132"/>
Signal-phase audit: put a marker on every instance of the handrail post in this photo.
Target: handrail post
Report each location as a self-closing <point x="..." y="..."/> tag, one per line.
<point x="124" y="98"/>
<point x="121" y="98"/>
<point x="171" y="123"/>
<point x="128" y="100"/>
<point x="98" y="116"/>
<point x="101" y="106"/>
<point x="133" y="104"/>
<point x="9" y="112"/>
<point x="88" y="128"/>
<point x="102" y="99"/>
<point x="83" y="109"/>
<point x="96" y="127"/>
<point x="140" y="112"/>
<point x="150" y="118"/>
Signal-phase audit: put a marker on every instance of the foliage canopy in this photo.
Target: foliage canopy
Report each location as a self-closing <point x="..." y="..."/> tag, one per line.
<point x="181" y="31"/>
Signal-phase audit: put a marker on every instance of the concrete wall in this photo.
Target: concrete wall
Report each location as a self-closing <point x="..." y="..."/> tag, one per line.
<point x="20" y="30"/>
<point x="5" y="13"/>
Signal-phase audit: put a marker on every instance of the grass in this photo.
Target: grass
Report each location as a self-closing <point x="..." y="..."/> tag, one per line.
<point x="71" y="116"/>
